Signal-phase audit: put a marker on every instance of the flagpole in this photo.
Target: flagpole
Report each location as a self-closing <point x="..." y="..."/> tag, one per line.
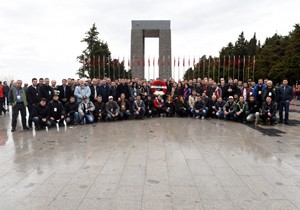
<point x="244" y="68"/>
<point x="214" y="69"/>
<point x="203" y="67"/>
<point x="118" y="67"/>
<point x="248" y="67"/>
<point x="199" y="67"/>
<point x="224" y="67"/>
<point x="108" y="61"/>
<point x="94" y="66"/>
<point x="239" y="63"/>
<point x="228" y="67"/>
<point x="188" y="73"/>
<point x="83" y="64"/>
<point x="253" y="68"/>
<point x="208" y="70"/>
<point x="233" y="67"/>
<point x="178" y="68"/>
<point x="219" y="61"/>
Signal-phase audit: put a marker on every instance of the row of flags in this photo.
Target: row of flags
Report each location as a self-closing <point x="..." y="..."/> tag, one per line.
<point x="228" y="61"/>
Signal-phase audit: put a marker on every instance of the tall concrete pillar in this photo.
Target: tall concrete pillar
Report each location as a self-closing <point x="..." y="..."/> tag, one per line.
<point x="151" y="28"/>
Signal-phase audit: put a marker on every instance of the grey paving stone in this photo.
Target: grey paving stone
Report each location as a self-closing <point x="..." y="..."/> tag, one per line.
<point x="160" y="165"/>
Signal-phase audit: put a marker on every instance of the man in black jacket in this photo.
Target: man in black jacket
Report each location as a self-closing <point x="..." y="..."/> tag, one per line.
<point x="95" y="90"/>
<point x="104" y="91"/>
<point x="71" y="111"/>
<point x="33" y="98"/>
<point x="57" y="112"/>
<point x="41" y="114"/>
<point x="123" y="88"/>
<point x="65" y="92"/>
<point x="285" y="96"/>
<point x="46" y="91"/>
<point x="99" y="112"/>
<point x="268" y="111"/>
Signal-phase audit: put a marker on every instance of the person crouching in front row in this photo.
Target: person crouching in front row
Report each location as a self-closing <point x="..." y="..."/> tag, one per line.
<point x="99" y="112"/>
<point x="253" y="111"/>
<point x="71" y="111"/>
<point x="169" y="107"/>
<point x="181" y="107"/>
<point x="229" y="109"/>
<point x="200" y="110"/>
<point x="149" y="104"/>
<point x="112" y="109"/>
<point x="241" y="112"/>
<point x="85" y="110"/>
<point x="268" y="111"/>
<point x="138" y="108"/>
<point x="41" y="115"/>
<point x="124" y="107"/>
<point x="57" y="112"/>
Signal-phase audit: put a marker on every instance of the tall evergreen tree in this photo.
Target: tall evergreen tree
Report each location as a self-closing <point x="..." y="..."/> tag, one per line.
<point x="90" y="56"/>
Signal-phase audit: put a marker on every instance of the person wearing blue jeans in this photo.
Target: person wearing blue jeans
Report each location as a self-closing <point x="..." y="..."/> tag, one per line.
<point x="285" y="96"/>
<point x="85" y="110"/>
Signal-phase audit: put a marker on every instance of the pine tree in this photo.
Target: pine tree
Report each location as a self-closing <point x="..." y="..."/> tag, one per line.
<point x="95" y="49"/>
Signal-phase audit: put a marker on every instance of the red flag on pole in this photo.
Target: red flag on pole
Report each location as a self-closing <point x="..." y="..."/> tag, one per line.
<point x="178" y="61"/>
<point x="194" y="61"/>
<point x="163" y="61"/>
<point x="169" y="61"/>
<point x="253" y="61"/>
<point x="234" y="61"/>
<point x="148" y="61"/>
<point x="244" y="64"/>
<point x="229" y="61"/>
<point x="158" y="61"/>
<point x="89" y="61"/>
<point x="93" y="61"/>
<point x="239" y="62"/>
<point x="183" y="62"/>
<point x="174" y="61"/>
<point x="128" y="62"/>
<point x="189" y="63"/>
<point x="103" y="61"/>
<point x="249" y="61"/>
<point x="153" y="61"/>
<point x="98" y="60"/>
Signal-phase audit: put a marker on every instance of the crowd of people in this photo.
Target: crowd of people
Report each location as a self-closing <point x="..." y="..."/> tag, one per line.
<point x="88" y="101"/>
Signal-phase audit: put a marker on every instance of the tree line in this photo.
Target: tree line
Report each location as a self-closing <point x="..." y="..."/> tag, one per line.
<point x="277" y="58"/>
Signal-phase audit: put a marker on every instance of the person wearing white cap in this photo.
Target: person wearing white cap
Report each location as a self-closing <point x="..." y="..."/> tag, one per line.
<point x="229" y="108"/>
<point x="112" y="109"/>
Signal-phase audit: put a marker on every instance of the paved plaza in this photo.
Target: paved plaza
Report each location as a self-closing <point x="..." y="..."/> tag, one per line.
<point x="157" y="163"/>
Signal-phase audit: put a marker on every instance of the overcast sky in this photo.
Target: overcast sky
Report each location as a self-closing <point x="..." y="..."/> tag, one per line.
<point x="42" y="38"/>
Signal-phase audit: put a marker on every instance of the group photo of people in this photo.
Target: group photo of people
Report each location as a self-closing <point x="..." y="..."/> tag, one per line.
<point x="44" y="103"/>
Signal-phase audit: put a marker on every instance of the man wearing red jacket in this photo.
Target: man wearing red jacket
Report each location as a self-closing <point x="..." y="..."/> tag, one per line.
<point x="2" y="98"/>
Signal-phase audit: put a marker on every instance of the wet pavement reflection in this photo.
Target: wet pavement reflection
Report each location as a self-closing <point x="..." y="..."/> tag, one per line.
<point x="157" y="163"/>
